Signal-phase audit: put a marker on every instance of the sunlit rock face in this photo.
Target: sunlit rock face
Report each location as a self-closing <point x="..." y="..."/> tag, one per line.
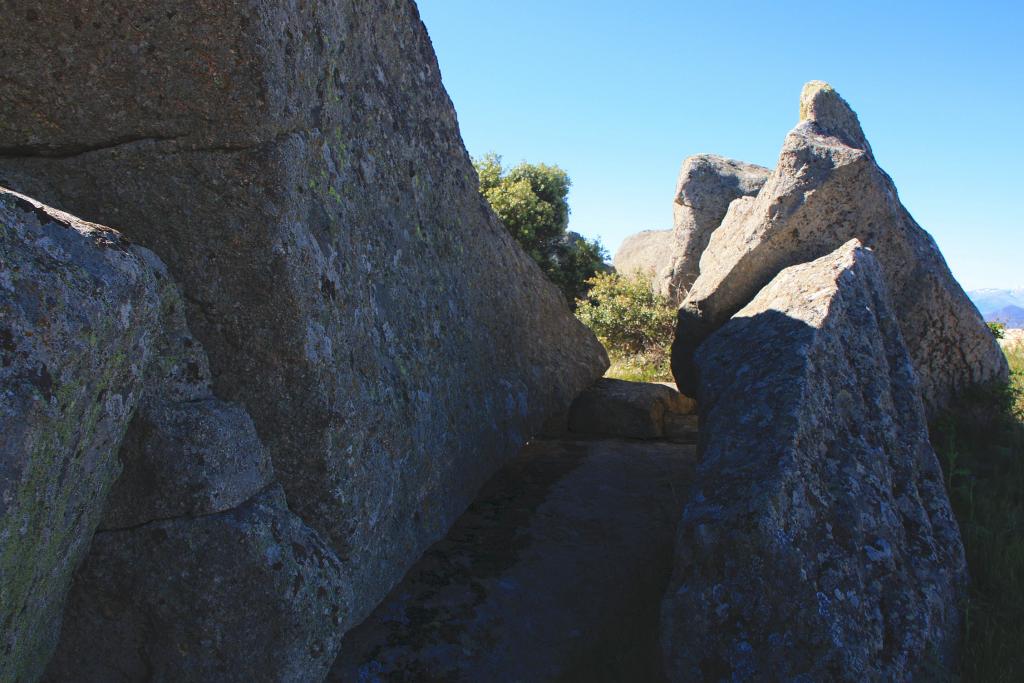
<point x="299" y="167"/>
<point x="818" y="543"/>
<point x="825" y="190"/>
<point x="646" y="254"/>
<point x="707" y="185"/>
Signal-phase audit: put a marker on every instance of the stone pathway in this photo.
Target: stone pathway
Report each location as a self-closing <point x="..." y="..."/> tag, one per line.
<point x="556" y="572"/>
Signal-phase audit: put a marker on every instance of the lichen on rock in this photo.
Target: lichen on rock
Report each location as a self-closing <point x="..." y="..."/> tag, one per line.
<point x="78" y="312"/>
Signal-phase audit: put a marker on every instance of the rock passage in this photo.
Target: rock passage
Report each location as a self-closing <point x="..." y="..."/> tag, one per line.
<point x="231" y="426"/>
<point x="556" y="572"/>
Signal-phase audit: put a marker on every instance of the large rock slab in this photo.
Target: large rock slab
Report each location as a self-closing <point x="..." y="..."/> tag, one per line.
<point x="299" y="168"/>
<point x="249" y="594"/>
<point x="707" y="184"/>
<point x="646" y="254"/>
<point x="200" y="571"/>
<point x="78" y="307"/>
<point x="825" y="190"/>
<point x="632" y="410"/>
<point x="819" y="543"/>
<point x="555" y="573"/>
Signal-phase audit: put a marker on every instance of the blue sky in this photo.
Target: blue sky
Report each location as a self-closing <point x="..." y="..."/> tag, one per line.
<point x="619" y="93"/>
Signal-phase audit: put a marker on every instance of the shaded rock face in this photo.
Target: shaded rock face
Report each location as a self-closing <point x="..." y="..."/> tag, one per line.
<point x="826" y="190"/>
<point x="186" y="452"/>
<point x="200" y="570"/>
<point x="707" y="184"/>
<point x="647" y="254"/>
<point x="632" y="410"/>
<point x="819" y="543"/>
<point x="554" y="573"/>
<point x="249" y="594"/>
<point x="78" y="309"/>
<point x="299" y="168"/>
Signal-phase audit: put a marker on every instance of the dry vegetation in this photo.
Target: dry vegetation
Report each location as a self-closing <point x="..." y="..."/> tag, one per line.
<point x="981" y="446"/>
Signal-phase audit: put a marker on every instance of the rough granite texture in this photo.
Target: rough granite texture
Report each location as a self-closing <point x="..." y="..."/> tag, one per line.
<point x="647" y="254"/>
<point x="299" y="168"/>
<point x="707" y="184"/>
<point x="825" y="190"/>
<point x="250" y="594"/>
<point x="77" y="310"/>
<point x="819" y="543"/>
<point x="243" y="590"/>
<point x="186" y="452"/>
<point x="554" y="573"/>
<point x="632" y="410"/>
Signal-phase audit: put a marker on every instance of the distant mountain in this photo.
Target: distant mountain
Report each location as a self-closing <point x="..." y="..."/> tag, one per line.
<point x="1011" y="316"/>
<point x="990" y="301"/>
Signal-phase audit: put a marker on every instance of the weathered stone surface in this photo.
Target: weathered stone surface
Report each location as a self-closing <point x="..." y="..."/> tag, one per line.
<point x="634" y="410"/>
<point x="186" y="452"/>
<point x="186" y="458"/>
<point x="300" y="170"/>
<point x="251" y="594"/>
<point x="195" y="472"/>
<point x="819" y="543"/>
<point x="826" y="190"/>
<point x="649" y="254"/>
<point x="707" y="184"/>
<point x="77" y="311"/>
<point x="555" y="573"/>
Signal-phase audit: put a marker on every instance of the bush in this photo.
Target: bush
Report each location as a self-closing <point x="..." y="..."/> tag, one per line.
<point x="980" y="443"/>
<point x="635" y="325"/>
<point x="998" y="329"/>
<point x="532" y="201"/>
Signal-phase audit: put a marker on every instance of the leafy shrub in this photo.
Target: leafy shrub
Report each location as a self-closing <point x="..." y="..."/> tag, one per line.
<point x="635" y="325"/>
<point x="532" y="201"/>
<point x="998" y="329"/>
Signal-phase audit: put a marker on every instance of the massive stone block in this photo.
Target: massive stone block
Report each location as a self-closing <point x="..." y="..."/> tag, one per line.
<point x="828" y="189"/>
<point x="707" y="184"/>
<point x="299" y="167"/>
<point x="819" y="542"/>
<point x="199" y="570"/>
<point x="647" y="254"/>
<point x="78" y="308"/>
<point x="248" y="594"/>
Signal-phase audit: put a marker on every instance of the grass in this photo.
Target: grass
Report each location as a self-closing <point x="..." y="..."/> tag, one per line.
<point x="981" y="446"/>
<point x="653" y="366"/>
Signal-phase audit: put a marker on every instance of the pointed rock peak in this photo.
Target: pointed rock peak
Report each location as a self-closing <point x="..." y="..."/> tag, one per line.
<point x="822" y="106"/>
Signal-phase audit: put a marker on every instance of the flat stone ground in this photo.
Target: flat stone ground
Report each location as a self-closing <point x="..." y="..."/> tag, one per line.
<point x="555" y="573"/>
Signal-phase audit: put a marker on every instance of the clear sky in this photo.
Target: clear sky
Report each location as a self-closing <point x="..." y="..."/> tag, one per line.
<point x="618" y="93"/>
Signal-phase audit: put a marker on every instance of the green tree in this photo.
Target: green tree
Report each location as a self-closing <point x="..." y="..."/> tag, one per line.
<point x="532" y="202"/>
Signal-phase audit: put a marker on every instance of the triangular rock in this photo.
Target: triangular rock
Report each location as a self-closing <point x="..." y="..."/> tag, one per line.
<point x="827" y="189"/>
<point x="819" y="543"/>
